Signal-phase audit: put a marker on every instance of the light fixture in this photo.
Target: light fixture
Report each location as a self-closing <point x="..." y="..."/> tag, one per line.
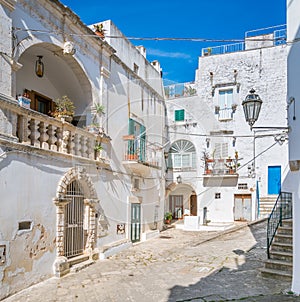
<point x="179" y="179"/>
<point x="233" y="141"/>
<point x="251" y="106"/>
<point x="39" y="67"/>
<point x="207" y="142"/>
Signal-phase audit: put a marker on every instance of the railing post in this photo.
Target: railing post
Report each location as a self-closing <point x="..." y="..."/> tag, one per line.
<point x="280" y="215"/>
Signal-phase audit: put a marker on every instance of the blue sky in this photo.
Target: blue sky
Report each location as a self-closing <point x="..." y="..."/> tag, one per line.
<point x="209" y="19"/>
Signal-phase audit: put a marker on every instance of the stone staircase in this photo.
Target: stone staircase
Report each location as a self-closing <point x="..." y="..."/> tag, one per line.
<point x="280" y="264"/>
<point x="266" y="205"/>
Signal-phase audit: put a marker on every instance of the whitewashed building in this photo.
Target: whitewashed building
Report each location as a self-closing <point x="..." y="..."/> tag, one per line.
<point x="291" y="183"/>
<point x="243" y="169"/>
<point x="69" y="195"/>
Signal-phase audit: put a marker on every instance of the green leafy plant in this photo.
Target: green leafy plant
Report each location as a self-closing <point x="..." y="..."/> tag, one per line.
<point x="98" y="147"/>
<point x="63" y="107"/>
<point x="99" y="110"/>
<point x="168" y="216"/>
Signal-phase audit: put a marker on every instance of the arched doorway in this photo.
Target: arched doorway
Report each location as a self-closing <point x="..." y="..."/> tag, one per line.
<point x="76" y="202"/>
<point x="181" y="200"/>
<point x="75" y="236"/>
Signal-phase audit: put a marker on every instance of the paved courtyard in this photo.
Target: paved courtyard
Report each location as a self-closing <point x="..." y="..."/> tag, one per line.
<point x="176" y="266"/>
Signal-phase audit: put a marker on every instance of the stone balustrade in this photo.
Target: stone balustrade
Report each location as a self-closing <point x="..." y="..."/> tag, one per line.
<point x="29" y="127"/>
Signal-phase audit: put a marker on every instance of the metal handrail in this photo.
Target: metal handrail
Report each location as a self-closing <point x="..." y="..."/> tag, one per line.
<point x="282" y="210"/>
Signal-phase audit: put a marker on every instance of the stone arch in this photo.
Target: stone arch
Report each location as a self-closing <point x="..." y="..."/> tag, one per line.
<point x="61" y="200"/>
<point x="57" y="67"/>
<point x="79" y="174"/>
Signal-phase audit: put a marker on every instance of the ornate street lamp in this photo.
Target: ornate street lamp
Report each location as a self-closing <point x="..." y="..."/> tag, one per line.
<point x="251" y="106"/>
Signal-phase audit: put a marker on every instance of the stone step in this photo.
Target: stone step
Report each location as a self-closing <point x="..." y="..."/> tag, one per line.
<point x="276" y="274"/>
<point x="279" y="265"/>
<point x="78" y="259"/>
<point x="284" y="256"/>
<point x="79" y="266"/>
<point x="285" y="230"/>
<point x="283" y="238"/>
<point x="283" y="247"/>
<point x="287" y="223"/>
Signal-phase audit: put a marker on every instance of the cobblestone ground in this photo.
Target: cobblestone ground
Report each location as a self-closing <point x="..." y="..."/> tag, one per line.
<point x="176" y="266"/>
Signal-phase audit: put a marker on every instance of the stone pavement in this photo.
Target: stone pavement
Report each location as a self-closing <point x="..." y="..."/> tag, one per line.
<point x="176" y="266"/>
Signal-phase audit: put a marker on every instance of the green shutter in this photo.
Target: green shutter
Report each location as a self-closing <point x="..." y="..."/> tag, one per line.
<point x="142" y="156"/>
<point x="179" y="115"/>
<point x="131" y="126"/>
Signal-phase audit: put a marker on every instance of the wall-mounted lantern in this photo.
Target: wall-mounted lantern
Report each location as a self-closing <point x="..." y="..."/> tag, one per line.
<point x="39" y="67"/>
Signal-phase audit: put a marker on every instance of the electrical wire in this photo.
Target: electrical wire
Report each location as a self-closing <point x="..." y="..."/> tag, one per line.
<point x="186" y="39"/>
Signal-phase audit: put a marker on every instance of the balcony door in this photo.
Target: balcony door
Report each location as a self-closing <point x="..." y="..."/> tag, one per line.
<point x="41" y="103"/>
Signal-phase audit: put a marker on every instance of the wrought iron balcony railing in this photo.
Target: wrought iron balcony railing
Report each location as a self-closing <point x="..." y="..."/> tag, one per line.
<point x="139" y="151"/>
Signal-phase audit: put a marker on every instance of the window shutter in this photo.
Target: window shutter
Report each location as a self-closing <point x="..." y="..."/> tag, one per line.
<point x="131" y="126"/>
<point x="179" y="115"/>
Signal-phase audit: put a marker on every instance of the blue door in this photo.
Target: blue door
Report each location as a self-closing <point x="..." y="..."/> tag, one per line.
<point x="274" y="179"/>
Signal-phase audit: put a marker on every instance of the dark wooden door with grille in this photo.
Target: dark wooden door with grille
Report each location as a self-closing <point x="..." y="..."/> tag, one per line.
<point x="74" y="216"/>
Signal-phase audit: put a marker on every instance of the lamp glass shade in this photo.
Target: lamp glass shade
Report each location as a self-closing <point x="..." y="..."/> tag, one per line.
<point x="39" y="67"/>
<point x="251" y="106"/>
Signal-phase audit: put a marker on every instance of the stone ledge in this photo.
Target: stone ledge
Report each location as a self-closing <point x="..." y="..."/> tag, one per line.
<point x="114" y="248"/>
<point x="150" y="234"/>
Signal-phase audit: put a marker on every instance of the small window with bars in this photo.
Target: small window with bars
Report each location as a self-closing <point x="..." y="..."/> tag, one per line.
<point x="243" y="186"/>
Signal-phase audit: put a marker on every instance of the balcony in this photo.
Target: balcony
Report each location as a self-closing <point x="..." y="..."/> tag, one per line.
<point x="264" y="37"/>
<point x="140" y="156"/>
<point x="29" y="130"/>
<point x="220" y="173"/>
<point x="180" y="90"/>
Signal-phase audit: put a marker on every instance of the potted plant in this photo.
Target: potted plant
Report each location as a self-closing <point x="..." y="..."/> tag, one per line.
<point x="64" y="109"/>
<point x="233" y="107"/>
<point x="168" y="217"/>
<point x="98" y="148"/>
<point x="99" y="30"/>
<point x="217" y="109"/>
<point x="94" y="127"/>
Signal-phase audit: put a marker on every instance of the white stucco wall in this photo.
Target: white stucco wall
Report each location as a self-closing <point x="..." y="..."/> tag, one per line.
<point x="6" y="49"/>
<point x="30" y="181"/>
<point x="265" y="71"/>
<point x="292" y="182"/>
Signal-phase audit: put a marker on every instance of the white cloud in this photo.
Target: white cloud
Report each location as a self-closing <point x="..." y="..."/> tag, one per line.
<point x="160" y="53"/>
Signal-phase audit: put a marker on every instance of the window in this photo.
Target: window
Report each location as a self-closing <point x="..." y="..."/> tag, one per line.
<point x="221" y="150"/>
<point x="179" y="115"/>
<point x="225" y="98"/>
<point x="225" y="104"/>
<point x="217" y="195"/>
<point x="182" y="155"/>
<point x="41" y="103"/>
<point x="137" y="147"/>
